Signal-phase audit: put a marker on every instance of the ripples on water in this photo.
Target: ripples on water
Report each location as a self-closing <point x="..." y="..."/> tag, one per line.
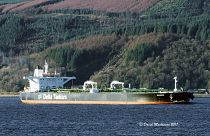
<point x="98" y="120"/>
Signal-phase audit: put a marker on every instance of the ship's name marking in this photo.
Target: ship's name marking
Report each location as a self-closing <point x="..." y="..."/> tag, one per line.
<point x="52" y="97"/>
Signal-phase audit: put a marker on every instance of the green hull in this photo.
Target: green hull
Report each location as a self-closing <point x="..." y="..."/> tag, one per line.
<point x="106" y="98"/>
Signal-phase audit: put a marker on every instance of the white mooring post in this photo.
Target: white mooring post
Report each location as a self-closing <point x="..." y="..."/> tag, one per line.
<point x="175" y="89"/>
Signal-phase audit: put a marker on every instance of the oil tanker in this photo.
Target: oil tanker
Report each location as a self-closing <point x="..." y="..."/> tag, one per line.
<point x="47" y="88"/>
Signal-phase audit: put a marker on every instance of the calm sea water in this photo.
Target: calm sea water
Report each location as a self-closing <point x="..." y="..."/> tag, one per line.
<point x="98" y="120"/>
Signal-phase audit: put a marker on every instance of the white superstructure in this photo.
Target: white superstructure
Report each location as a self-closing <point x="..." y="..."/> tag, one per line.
<point x="43" y="81"/>
<point x="113" y="83"/>
<point x="91" y="86"/>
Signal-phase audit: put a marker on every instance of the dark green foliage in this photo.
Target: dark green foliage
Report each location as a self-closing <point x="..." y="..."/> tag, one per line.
<point x="84" y="61"/>
<point x="12" y="31"/>
<point x="187" y="59"/>
<point x="195" y="27"/>
<point x="140" y="53"/>
<point x="143" y="51"/>
<point x="178" y="8"/>
<point x="41" y="32"/>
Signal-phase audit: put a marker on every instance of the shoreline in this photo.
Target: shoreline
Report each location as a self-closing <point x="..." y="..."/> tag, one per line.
<point x="201" y="95"/>
<point x="9" y="94"/>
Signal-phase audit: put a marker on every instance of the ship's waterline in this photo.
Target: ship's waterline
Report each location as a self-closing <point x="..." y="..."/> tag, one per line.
<point x="90" y="102"/>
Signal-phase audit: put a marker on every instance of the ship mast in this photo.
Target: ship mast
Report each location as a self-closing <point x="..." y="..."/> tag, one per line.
<point x="175" y="88"/>
<point x="45" y="67"/>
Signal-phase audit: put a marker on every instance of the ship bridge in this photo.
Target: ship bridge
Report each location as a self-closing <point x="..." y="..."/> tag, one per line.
<point x="42" y="80"/>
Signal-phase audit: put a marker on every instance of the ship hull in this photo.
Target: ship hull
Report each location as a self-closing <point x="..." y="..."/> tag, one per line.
<point x="105" y="98"/>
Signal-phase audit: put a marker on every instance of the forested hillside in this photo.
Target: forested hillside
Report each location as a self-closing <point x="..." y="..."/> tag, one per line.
<point x="152" y="60"/>
<point x="145" y="45"/>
